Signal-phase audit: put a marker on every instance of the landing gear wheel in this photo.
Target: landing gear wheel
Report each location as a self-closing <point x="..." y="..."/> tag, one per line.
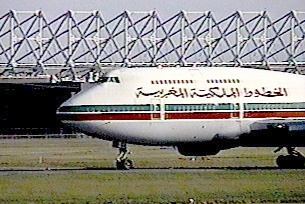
<point x="294" y="160"/>
<point x="290" y="161"/>
<point x="124" y="164"/>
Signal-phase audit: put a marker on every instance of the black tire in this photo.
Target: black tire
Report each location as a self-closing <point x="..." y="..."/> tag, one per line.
<point x="290" y="162"/>
<point x="281" y="161"/>
<point x="125" y="164"/>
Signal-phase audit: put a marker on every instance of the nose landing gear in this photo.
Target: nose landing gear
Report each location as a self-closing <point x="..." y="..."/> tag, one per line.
<point x="294" y="159"/>
<point x="122" y="161"/>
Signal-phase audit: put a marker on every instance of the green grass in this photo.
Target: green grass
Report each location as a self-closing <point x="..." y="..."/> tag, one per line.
<point x="94" y="153"/>
<point x="216" y="185"/>
<point x="155" y="187"/>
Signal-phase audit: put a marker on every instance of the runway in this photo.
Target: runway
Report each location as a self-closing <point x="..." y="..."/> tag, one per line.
<point x="54" y="171"/>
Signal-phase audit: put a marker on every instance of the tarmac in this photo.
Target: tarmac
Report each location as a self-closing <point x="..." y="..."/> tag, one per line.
<point x="43" y="171"/>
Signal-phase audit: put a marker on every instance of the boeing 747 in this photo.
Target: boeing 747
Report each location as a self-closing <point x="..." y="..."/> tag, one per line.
<point x="201" y="111"/>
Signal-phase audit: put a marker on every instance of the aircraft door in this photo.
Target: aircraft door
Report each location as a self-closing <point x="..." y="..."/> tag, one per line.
<point x="157" y="110"/>
<point x="241" y="122"/>
<point x="235" y="112"/>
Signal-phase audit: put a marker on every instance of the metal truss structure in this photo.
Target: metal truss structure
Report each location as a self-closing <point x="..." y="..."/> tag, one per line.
<point x="78" y="45"/>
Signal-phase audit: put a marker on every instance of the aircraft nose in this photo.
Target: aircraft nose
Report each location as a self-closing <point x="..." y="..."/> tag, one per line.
<point x="74" y="106"/>
<point x="81" y="98"/>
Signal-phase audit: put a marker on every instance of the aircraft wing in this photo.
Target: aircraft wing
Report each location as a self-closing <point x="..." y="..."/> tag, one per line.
<point x="291" y="125"/>
<point x="275" y="133"/>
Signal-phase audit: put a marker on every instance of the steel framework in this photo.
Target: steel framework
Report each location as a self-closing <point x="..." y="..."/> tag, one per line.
<point x="76" y="45"/>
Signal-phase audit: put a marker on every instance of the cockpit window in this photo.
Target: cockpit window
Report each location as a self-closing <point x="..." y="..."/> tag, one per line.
<point x="109" y="79"/>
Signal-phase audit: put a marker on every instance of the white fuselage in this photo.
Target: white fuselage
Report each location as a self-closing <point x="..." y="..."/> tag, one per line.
<point x="184" y="105"/>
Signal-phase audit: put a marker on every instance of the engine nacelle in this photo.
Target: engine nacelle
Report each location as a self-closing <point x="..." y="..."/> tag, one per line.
<point x="198" y="149"/>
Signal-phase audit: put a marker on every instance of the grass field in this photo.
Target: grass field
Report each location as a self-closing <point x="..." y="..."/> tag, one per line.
<point x="95" y="153"/>
<point x="257" y="182"/>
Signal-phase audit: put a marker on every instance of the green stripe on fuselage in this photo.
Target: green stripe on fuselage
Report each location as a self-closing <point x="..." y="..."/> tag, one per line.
<point x="106" y="108"/>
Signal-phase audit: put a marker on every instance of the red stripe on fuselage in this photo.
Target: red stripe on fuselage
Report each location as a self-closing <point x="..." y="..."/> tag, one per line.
<point x="180" y="116"/>
<point x="217" y="115"/>
<point x="274" y="114"/>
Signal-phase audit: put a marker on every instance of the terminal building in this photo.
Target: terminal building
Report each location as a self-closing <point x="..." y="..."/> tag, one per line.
<point x="30" y="109"/>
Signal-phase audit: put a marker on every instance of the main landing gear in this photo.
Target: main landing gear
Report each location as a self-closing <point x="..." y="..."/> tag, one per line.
<point x="122" y="161"/>
<point x="294" y="159"/>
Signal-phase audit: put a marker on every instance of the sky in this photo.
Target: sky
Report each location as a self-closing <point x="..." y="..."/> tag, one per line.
<point x="165" y="8"/>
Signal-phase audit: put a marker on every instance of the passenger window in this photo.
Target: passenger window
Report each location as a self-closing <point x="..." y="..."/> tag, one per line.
<point x="103" y="79"/>
<point x="109" y="79"/>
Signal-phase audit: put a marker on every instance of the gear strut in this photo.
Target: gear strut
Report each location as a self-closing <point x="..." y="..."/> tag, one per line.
<point x="122" y="161"/>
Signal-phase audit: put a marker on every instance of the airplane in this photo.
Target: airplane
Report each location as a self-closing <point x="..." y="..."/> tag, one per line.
<point x="198" y="110"/>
